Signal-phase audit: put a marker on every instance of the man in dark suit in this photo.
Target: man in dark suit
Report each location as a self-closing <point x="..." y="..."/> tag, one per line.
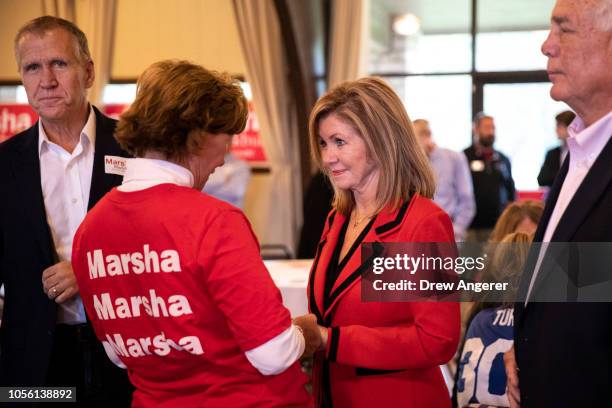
<point x="554" y="157"/>
<point x="563" y="351"/>
<point x="51" y="174"/>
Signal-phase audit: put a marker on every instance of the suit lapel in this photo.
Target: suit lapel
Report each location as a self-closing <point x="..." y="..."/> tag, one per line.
<point x="101" y="182"/>
<point x="551" y="201"/>
<point x="26" y="166"/>
<point x="596" y="182"/>
<point x="316" y="281"/>
<point x="385" y="223"/>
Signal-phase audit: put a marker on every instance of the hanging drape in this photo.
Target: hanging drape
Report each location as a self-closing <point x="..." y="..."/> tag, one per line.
<point x="348" y="39"/>
<point x="277" y="213"/>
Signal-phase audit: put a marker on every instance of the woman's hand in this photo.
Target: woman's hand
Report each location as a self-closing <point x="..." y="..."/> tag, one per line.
<point x="313" y="334"/>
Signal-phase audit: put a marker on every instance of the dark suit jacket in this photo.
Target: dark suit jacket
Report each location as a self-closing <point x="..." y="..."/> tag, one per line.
<point x="564" y="350"/>
<point x="26" y="249"/>
<point x="550" y="168"/>
<point x="493" y="186"/>
<point x="317" y="204"/>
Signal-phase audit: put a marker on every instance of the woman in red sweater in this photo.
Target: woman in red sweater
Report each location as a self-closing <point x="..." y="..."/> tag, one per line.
<point x="375" y="354"/>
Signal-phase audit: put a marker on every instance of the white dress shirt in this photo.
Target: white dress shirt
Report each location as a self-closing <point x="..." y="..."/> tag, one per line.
<point x="272" y="357"/>
<point x="65" y="180"/>
<point x="584" y="145"/>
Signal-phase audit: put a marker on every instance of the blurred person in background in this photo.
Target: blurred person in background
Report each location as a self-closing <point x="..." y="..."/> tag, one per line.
<point x="382" y="354"/>
<point x="519" y="216"/>
<point x="230" y="181"/>
<point x="454" y="190"/>
<point x="317" y="205"/>
<point x="481" y="377"/>
<point x="172" y="279"/>
<point x="492" y="178"/>
<point x="554" y="157"/>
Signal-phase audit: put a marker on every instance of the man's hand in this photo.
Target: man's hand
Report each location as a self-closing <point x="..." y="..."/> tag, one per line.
<point x="311" y="332"/>
<point x="59" y="282"/>
<point x="514" y="395"/>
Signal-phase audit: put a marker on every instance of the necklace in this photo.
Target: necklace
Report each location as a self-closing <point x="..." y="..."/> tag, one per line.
<point x="357" y="221"/>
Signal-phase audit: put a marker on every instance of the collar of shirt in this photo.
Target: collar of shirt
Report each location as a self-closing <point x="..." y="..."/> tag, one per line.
<point x="586" y="143"/>
<point x="88" y="133"/>
<point x="145" y="173"/>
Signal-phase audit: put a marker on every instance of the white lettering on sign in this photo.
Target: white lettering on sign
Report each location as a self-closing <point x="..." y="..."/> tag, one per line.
<point x="11" y="122"/>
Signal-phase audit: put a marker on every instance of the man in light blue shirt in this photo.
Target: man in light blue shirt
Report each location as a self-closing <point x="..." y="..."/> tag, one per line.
<point x="454" y="190"/>
<point x="230" y="181"/>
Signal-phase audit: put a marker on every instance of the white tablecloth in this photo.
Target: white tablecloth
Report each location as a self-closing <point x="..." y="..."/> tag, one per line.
<point x="291" y="277"/>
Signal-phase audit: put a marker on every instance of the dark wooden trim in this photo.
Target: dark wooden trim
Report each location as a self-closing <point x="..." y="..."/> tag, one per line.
<point x="260" y="170"/>
<point x="297" y="87"/>
<point x="6" y="82"/>
<point x="412" y="74"/>
<point x="473" y="29"/>
<point x="511" y="77"/>
<point x="327" y="27"/>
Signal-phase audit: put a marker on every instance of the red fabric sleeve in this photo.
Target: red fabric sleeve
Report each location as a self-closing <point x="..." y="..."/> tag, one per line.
<point x="238" y="281"/>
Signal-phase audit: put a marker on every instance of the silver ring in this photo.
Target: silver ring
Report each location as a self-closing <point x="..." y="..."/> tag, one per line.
<point x="54" y="290"/>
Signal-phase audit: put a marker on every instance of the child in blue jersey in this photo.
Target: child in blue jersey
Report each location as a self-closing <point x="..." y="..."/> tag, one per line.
<point x="481" y="377"/>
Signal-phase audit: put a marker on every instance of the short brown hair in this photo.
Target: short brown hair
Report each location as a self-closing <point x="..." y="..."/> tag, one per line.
<point x="375" y="111"/>
<point x="175" y="98"/>
<point x="512" y="216"/>
<point x="41" y="25"/>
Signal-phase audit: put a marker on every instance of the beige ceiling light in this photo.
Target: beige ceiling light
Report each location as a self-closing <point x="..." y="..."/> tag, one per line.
<point x="406" y="24"/>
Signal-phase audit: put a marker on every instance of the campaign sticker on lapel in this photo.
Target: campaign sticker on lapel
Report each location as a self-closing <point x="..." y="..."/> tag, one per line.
<point x="477" y="165"/>
<point x="115" y="165"/>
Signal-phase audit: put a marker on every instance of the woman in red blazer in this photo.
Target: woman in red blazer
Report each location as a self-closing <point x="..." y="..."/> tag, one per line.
<point x="375" y="354"/>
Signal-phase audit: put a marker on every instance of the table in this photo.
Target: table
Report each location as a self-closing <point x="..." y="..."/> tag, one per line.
<point x="291" y="278"/>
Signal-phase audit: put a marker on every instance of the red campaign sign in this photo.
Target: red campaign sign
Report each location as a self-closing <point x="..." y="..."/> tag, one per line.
<point x="247" y="145"/>
<point x="15" y="118"/>
<point x="530" y="195"/>
<point x="114" y="110"/>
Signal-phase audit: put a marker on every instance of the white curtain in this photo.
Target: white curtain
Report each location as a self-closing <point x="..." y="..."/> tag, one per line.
<point x="97" y="19"/>
<point x="276" y="213"/>
<point x="349" y="40"/>
<point x="60" y="8"/>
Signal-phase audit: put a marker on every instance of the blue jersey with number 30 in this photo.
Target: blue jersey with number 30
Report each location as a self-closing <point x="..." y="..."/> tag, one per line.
<point x="481" y="375"/>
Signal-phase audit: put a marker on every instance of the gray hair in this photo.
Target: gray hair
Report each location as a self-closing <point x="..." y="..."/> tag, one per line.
<point x="41" y="25"/>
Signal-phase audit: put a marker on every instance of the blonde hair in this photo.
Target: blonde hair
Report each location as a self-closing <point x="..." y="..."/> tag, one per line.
<point x="174" y="99"/>
<point x="375" y="111"/>
<point x="513" y="215"/>
<point x="508" y="257"/>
